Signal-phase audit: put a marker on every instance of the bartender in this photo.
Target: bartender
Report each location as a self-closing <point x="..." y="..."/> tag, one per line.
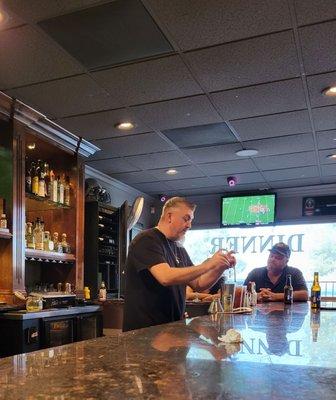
<point x="158" y="268"/>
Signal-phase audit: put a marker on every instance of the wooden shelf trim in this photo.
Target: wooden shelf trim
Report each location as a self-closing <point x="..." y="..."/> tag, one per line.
<point x="5" y="234"/>
<point x="49" y="255"/>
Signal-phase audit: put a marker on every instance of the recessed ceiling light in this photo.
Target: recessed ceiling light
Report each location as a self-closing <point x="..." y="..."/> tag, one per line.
<point x="171" y="171"/>
<point x="2" y="17"/>
<point x="329" y="91"/>
<point x="124" y="126"/>
<point x="246" y="153"/>
<point x="332" y="156"/>
<point x="31" y="146"/>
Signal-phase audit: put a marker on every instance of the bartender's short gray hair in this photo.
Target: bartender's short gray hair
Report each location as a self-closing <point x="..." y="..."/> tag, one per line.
<point x="175" y="202"/>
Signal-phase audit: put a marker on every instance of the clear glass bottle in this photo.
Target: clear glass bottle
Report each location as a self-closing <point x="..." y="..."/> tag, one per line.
<point x="30" y="240"/>
<point x="60" y="190"/>
<point x="38" y="235"/>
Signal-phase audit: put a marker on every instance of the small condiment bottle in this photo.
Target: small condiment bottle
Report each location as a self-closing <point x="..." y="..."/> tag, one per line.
<point x="3" y="221"/>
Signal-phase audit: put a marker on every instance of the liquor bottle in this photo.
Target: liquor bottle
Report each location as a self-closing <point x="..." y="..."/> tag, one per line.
<point x="55" y="240"/>
<point x="102" y="292"/>
<point x="35" y="178"/>
<point x="46" y="179"/>
<point x="67" y="191"/>
<point x="41" y="184"/>
<point x="288" y="290"/>
<point x="38" y="235"/>
<point x="30" y="237"/>
<point x="60" y="190"/>
<point x="65" y="244"/>
<point x="28" y="180"/>
<point x="315" y="298"/>
<point x="315" y="322"/>
<point x="3" y="221"/>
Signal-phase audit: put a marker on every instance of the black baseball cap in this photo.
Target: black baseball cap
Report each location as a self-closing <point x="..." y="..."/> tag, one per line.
<point x="282" y="249"/>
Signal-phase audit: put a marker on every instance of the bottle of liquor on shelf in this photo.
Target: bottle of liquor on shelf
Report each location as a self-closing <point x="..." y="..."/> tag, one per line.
<point x="53" y="189"/>
<point x="41" y="184"/>
<point x="3" y="221"/>
<point x="67" y="191"/>
<point x="60" y="190"/>
<point x="35" y="178"/>
<point x="28" y="179"/>
<point x="38" y="235"/>
<point x="30" y="240"/>
<point x="315" y="298"/>
<point x="47" y="243"/>
<point x="46" y="179"/>
<point x="56" y="241"/>
<point x="102" y="292"/>
<point x="65" y="244"/>
<point x="288" y="290"/>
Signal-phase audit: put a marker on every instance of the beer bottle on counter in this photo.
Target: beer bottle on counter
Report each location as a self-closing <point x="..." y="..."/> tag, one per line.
<point x="315" y="298"/>
<point x="288" y="290"/>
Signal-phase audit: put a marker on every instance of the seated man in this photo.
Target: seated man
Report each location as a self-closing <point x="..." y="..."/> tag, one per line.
<point x="270" y="280"/>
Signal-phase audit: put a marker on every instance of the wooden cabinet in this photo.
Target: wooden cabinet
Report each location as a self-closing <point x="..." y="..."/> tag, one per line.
<point x="26" y="136"/>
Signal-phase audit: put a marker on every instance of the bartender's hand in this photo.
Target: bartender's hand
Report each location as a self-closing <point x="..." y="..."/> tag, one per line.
<point x="223" y="259"/>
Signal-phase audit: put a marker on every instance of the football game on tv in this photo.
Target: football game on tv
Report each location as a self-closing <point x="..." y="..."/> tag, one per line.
<point x="248" y="210"/>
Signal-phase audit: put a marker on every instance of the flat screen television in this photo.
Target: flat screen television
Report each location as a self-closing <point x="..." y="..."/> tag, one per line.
<point x="248" y="210"/>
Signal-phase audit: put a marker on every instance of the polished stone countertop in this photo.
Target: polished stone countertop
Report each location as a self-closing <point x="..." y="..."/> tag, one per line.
<point x="287" y="353"/>
<point x="51" y="312"/>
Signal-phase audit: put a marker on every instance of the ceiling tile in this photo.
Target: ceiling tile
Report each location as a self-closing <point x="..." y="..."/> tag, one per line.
<point x="286" y="161"/>
<point x="248" y="62"/>
<point x="228" y="167"/>
<point x="312" y="11"/>
<point x="152" y="187"/>
<point x="201" y="135"/>
<point x="329" y="170"/>
<point x="131" y="145"/>
<point x="198" y="23"/>
<point x="101" y="36"/>
<point x="318" y="47"/>
<point x="148" y="81"/>
<point x="112" y="165"/>
<point x="36" y="10"/>
<point x="213" y="153"/>
<point x="262" y="99"/>
<point x="101" y="125"/>
<point x="326" y="139"/>
<point x="75" y="95"/>
<point x="295" y="183"/>
<point x="316" y="84"/>
<point x="178" y="113"/>
<point x="158" y="160"/>
<point x="291" y="173"/>
<point x="190" y="183"/>
<point x="28" y="57"/>
<point x="324" y="118"/>
<point x="242" y="179"/>
<point x="273" y="125"/>
<point x="183" y="172"/>
<point x="134" y="177"/>
<point x="282" y="145"/>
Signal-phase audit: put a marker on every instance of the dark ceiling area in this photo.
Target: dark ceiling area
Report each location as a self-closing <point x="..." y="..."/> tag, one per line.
<point x="199" y="79"/>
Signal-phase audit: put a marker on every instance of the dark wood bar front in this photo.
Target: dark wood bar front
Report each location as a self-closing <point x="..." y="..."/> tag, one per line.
<point x="286" y="353"/>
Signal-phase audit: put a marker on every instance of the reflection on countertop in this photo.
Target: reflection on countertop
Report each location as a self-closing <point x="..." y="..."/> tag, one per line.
<point x="278" y="359"/>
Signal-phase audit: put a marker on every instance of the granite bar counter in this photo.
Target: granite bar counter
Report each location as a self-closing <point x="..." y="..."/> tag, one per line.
<point x="287" y="353"/>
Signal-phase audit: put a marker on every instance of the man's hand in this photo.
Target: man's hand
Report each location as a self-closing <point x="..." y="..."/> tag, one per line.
<point x="266" y="294"/>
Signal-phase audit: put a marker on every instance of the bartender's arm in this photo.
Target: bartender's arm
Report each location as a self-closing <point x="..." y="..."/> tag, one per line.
<point x="199" y="277"/>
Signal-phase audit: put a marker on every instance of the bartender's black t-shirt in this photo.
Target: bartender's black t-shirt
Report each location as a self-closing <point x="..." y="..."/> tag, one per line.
<point x="147" y="302"/>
